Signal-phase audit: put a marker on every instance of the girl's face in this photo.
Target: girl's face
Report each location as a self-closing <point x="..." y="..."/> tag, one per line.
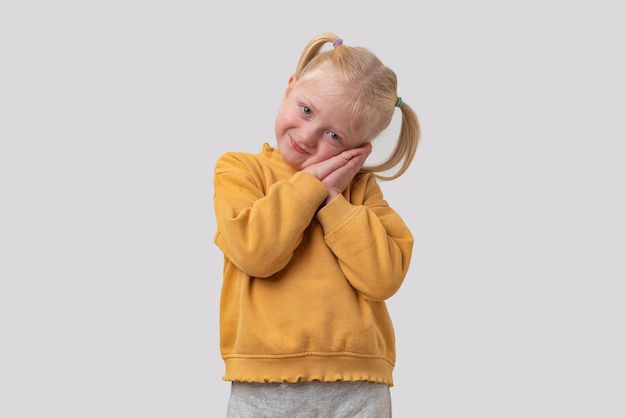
<point x="312" y="124"/>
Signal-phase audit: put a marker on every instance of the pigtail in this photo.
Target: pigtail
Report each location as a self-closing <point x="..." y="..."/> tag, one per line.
<point x="313" y="48"/>
<point x="406" y="145"/>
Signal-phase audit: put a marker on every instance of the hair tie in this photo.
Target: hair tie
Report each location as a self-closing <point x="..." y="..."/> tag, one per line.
<point x="399" y="102"/>
<point x="337" y="42"/>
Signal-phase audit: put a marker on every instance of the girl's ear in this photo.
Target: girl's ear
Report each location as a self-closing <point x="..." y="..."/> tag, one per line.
<point x="290" y="84"/>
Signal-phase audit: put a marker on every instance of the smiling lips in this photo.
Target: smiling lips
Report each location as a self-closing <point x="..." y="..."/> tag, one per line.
<point x="296" y="147"/>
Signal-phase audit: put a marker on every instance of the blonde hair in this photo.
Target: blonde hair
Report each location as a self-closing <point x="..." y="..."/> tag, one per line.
<point x="375" y="96"/>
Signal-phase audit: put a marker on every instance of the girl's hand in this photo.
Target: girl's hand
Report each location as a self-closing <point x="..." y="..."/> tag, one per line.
<point x="338" y="171"/>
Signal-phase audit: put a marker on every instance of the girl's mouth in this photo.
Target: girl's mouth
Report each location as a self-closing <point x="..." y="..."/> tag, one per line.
<point x="296" y="147"/>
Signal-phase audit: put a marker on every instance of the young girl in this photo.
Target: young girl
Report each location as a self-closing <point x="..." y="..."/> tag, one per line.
<point x="311" y="248"/>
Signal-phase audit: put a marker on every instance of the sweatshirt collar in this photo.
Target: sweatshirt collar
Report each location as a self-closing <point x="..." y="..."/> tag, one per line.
<point x="273" y="155"/>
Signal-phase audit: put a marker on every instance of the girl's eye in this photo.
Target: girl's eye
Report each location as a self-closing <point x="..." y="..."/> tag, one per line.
<point x="306" y="110"/>
<point x="334" y="136"/>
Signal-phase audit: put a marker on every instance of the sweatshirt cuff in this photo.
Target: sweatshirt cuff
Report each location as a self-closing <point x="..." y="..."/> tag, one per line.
<point x="335" y="213"/>
<point x="316" y="191"/>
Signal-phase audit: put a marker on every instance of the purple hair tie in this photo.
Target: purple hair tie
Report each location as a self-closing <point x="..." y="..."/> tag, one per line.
<point x="337" y="42"/>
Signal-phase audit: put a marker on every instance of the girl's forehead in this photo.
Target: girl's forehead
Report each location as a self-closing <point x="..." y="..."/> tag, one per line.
<point x="325" y="88"/>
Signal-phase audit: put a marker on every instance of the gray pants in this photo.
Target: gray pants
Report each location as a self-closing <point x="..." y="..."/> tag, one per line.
<point x="309" y="400"/>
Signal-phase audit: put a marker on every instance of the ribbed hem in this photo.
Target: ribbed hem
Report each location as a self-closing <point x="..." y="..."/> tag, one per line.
<point x="308" y="368"/>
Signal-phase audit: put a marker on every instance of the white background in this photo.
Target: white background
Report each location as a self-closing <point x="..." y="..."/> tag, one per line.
<point x="112" y="115"/>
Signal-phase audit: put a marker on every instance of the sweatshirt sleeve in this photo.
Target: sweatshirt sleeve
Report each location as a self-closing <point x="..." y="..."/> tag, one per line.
<point x="260" y="225"/>
<point x="372" y="243"/>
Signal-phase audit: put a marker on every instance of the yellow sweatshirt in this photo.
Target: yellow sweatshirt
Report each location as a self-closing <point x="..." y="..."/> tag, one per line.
<point x="304" y="290"/>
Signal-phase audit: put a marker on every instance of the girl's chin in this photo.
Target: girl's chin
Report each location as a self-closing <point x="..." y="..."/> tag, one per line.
<point x="293" y="160"/>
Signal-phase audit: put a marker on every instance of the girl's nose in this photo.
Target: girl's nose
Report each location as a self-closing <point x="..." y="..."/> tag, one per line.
<point x="310" y="135"/>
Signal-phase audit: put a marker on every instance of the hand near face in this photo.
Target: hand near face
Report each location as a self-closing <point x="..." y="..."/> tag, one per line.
<point x="338" y="171"/>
